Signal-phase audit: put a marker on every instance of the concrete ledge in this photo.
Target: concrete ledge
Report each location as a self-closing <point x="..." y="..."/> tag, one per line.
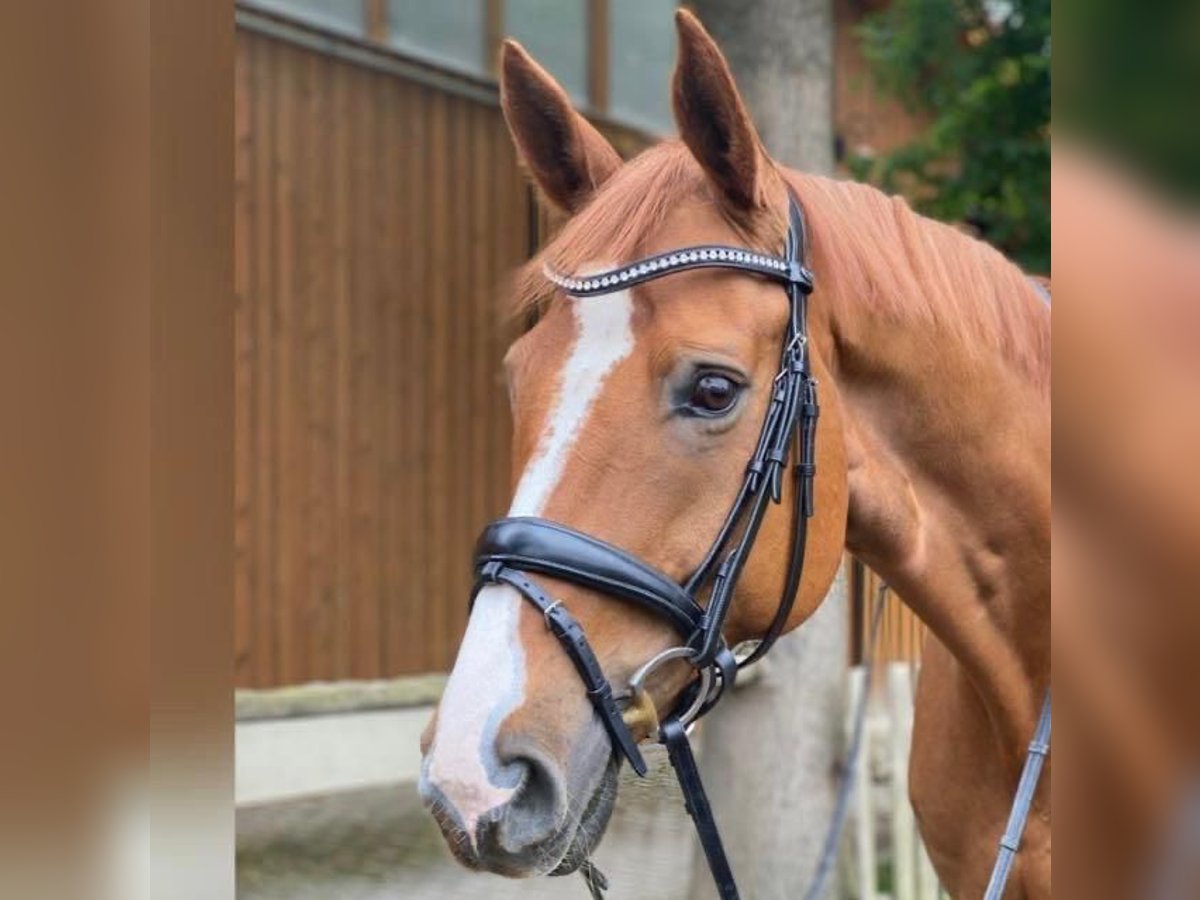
<point x="287" y="758"/>
<point x="327" y="697"/>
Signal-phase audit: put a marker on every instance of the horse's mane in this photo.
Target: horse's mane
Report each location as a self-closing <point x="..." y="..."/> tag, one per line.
<point x="866" y="248"/>
<point x="872" y="249"/>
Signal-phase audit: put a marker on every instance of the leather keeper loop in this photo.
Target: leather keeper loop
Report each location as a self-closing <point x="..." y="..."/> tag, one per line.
<point x="602" y="692"/>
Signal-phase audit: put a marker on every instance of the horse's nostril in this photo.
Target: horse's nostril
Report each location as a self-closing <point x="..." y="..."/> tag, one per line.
<point x="535" y="812"/>
<point x="541" y="791"/>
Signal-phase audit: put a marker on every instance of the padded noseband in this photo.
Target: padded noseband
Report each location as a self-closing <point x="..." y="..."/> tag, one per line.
<point x="538" y="545"/>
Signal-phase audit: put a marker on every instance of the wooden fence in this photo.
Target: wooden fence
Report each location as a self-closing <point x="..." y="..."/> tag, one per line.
<point x="375" y="220"/>
<point x="901" y="633"/>
<point x="884" y="855"/>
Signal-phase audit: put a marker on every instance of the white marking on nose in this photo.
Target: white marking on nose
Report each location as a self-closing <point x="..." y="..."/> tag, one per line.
<point x="605" y="338"/>
<point x="488" y="680"/>
<point x="487" y="683"/>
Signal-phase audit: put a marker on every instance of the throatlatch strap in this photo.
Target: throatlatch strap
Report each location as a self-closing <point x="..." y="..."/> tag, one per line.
<point x="679" y="750"/>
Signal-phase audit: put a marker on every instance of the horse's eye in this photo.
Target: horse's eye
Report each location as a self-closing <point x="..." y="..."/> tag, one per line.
<point x="713" y="394"/>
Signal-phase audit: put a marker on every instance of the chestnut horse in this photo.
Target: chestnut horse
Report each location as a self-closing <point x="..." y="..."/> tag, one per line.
<point x="634" y="414"/>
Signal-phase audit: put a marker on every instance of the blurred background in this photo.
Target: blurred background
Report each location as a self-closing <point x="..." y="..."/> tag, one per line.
<point x="379" y="206"/>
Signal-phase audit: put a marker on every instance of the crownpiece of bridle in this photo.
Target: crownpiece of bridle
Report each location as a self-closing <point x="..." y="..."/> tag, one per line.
<point x="510" y="549"/>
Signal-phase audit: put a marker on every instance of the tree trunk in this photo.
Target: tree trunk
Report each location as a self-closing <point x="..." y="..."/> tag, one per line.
<point x="781" y="53"/>
<point x="770" y="752"/>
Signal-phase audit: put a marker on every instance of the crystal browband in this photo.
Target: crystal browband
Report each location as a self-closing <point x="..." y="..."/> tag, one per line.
<point x="714" y="256"/>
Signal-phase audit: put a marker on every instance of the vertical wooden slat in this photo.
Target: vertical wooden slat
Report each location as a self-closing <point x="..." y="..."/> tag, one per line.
<point x="493" y="34"/>
<point x="263" y="250"/>
<point x="318" y="607"/>
<point x="244" y="360"/>
<point x="343" y="400"/>
<point x="287" y="365"/>
<point x="375" y="14"/>
<point x="447" y="409"/>
<point x="463" y="239"/>
<point x="402" y="501"/>
<point x="457" y="239"/>
<point x="598" y="54"/>
<point x="482" y="324"/>
<point x="299" y="178"/>
<point x="421" y="655"/>
<point x="367" y="257"/>
<point x="437" y="412"/>
<point x="388" y="160"/>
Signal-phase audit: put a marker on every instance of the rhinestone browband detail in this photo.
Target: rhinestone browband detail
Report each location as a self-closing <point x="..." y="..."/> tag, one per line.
<point x="772" y="267"/>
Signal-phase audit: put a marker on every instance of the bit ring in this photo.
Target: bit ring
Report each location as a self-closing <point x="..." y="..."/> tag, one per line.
<point x="637" y="681"/>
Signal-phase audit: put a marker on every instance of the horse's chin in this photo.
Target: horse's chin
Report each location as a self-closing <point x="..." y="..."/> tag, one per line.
<point x="593" y="822"/>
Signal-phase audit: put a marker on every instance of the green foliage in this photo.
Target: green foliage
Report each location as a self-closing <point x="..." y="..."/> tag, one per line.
<point x="979" y="72"/>
<point x="1129" y="86"/>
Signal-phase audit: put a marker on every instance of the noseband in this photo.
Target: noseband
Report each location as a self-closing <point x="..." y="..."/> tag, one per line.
<point x="510" y="550"/>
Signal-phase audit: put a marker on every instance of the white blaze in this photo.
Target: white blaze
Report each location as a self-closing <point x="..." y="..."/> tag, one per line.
<point x="488" y="681"/>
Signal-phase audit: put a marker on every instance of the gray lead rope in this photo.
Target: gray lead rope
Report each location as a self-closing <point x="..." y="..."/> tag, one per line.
<point x="1039" y="747"/>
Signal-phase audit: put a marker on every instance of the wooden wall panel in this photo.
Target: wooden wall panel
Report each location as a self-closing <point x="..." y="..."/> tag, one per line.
<point x="376" y="219"/>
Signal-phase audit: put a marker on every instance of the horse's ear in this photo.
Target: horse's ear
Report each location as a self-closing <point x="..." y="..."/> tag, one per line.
<point x="712" y="119"/>
<point x="567" y="157"/>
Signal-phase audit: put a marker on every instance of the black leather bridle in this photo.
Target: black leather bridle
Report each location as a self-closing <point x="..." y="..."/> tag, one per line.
<point x="510" y="550"/>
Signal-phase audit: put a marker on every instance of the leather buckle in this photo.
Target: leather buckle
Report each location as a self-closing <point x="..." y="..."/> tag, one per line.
<point x="799" y="274"/>
<point x="546" y="613"/>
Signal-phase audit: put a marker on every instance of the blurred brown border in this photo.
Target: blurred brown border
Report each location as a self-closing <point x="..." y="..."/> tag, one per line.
<point x="191" y="472"/>
<point x="116" y="325"/>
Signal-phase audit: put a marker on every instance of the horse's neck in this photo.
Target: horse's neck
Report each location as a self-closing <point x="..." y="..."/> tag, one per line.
<point x="949" y="482"/>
